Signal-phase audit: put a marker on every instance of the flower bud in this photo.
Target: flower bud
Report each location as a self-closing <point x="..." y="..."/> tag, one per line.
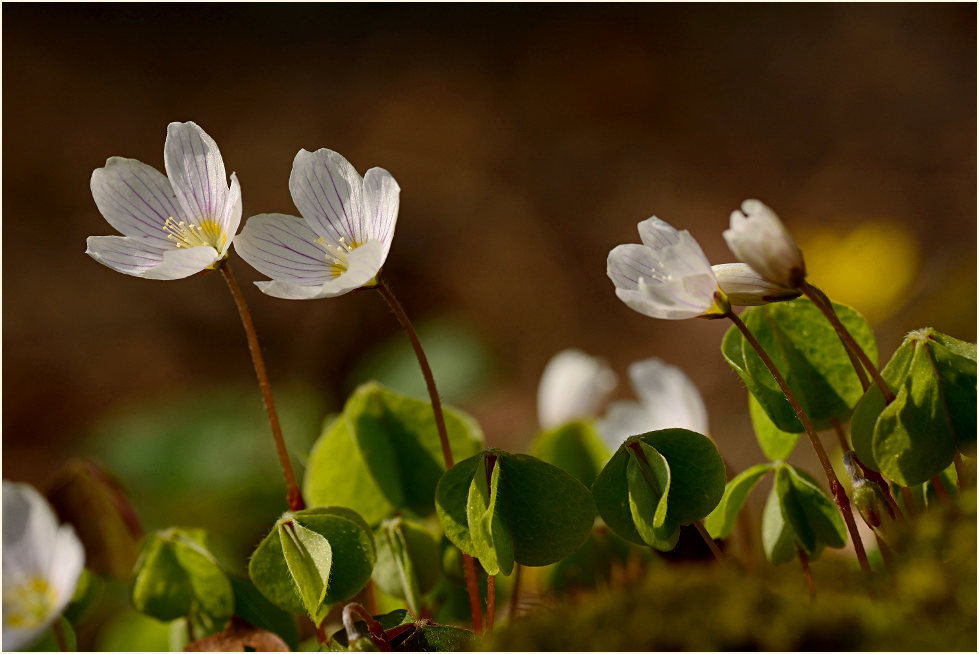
<point x="758" y="238"/>
<point x="745" y="287"/>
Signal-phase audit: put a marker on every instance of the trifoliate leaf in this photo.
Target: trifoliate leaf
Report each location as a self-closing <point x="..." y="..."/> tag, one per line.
<point x="720" y="523"/>
<point x="487" y="522"/>
<point x="548" y="512"/>
<point x="352" y="558"/>
<point x="813" y="517"/>
<point x="383" y="454"/>
<point x="648" y="480"/>
<point x="775" y="443"/>
<point x="808" y="352"/>
<point x="408" y="560"/>
<point x="309" y="558"/>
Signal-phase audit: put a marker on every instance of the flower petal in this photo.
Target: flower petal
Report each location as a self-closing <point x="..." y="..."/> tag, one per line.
<point x="382" y="196"/>
<point x="572" y="386"/>
<point x="758" y="238"/>
<point x="67" y="561"/>
<point x="287" y="291"/>
<point x="638" y="274"/>
<point x="363" y="265"/>
<point x="29" y="531"/>
<point x="329" y="194"/>
<point x="136" y="199"/>
<point x="668" y="395"/>
<point x="130" y="256"/>
<point x="196" y="170"/>
<point x="234" y="215"/>
<point x="745" y="287"/>
<point x="180" y="263"/>
<point x="284" y="248"/>
<point x="657" y="234"/>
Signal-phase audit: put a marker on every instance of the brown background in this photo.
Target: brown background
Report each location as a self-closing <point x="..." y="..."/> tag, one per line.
<point x="528" y="141"/>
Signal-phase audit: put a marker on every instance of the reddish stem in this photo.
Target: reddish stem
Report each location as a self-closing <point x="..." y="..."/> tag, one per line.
<point x="490" y="603"/>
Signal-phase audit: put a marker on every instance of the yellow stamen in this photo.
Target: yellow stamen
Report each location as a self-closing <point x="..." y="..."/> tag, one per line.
<point x="336" y="255"/>
<point x="29" y="604"/>
<point x="190" y="235"/>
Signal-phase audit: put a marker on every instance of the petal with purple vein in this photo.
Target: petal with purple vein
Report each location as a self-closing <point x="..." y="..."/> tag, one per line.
<point x="196" y="170"/>
<point x="329" y="194"/>
<point x="382" y="196"/>
<point x="284" y="248"/>
<point x="136" y="199"/>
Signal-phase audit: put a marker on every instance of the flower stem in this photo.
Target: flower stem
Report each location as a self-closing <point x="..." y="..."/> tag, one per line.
<point x="959" y="470"/>
<point x="804" y="561"/>
<point x="853" y="348"/>
<point x="715" y="550"/>
<point x="293" y="496"/>
<point x="416" y="345"/>
<point x="835" y="487"/>
<point x="940" y="489"/>
<point x="433" y="394"/>
<point x="350" y="626"/>
<point x="909" y="504"/>
<point x="490" y="603"/>
<point x="515" y="592"/>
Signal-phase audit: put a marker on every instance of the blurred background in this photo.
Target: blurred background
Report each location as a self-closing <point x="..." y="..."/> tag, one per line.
<point x="528" y="141"/>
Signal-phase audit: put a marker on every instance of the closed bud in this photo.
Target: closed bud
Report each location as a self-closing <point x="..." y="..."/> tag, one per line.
<point x="745" y="287"/>
<point x="758" y="238"/>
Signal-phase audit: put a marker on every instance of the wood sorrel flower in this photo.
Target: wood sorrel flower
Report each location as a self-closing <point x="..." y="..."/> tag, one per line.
<point x="573" y="385"/>
<point x="758" y="238"/>
<point x="173" y="226"/>
<point x="667" y="276"/>
<point x="41" y="565"/>
<point x="342" y="239"/>
<point x="745" y="287"/>
<point x="667" y="399"/>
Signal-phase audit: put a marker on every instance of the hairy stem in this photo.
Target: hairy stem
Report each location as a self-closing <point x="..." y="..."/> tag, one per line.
<point x="469" y="565"/>
<point x="853" y="348"/>
<point x="293" y="496"/>
<point x="490" y="603"/>
<point x="835" y="487"/>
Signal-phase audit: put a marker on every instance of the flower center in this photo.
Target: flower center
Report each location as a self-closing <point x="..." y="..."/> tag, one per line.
<point x="189" y="235"/>
<point x="336" y="255"/>
<point x="29" y="604"/>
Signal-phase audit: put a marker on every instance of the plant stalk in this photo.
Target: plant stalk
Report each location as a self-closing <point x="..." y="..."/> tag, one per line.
<point x="940" y="490"/>
<point x="893" y="508"/>
<point x="835" y="487"/>
<point x="715" y="550"/>
<point x="293" y="496"/>
<point x="433" y="394"/>
<point x="515" y="592"/>
<point x="490" y="603"/>
<point x="823" y="303"/>
<point x="810" y="582"/>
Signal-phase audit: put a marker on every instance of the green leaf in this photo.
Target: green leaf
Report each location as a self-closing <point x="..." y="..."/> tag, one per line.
<point x="252" y="606"/>
<point x="309" y="558"/>
<point x="353" y="558"/>
<point x="869" y="407"/>
<point x="955" y="363"/>
<point x="384" y="454"/>
<point x="176" y="576"/>
<point x="808" y="352"/>
<point x="648" y="480"/>
<point x="775" y="443"/>
<point x="487" y="524"/>
<point x="813" y="516"/>
<point x="408" y="560"/>
<point x="575" y="447"/>
<point x="776" y="534"/>
<point x="720" y="523"/>
<point x="696" y="480"/>
<point x="549" y="513"/>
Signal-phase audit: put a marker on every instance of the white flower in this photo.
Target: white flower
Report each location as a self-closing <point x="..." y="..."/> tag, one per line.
<point x="342" y="239"/>
<point x="573" y="385"/>
<point x="667" y="399"/>
<point x="174" y="226"/>
<point x="41" y="565"/>
<point x="745" y="287"/>
<point x="667" y="276"/>
<point x="758" y="238"/>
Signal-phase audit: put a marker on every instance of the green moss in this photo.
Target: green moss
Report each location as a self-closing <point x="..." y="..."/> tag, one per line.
<point x="929" y="603"/>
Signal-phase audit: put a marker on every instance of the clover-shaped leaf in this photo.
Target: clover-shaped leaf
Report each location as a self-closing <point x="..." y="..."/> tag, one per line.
<point x="314" y="559"/>
<point x="692" y="484"/>
<point x="544" y="512"/>
<point x="809" y="354"/>
<point x="720" y="523"/>
<point x="383" y="454"/>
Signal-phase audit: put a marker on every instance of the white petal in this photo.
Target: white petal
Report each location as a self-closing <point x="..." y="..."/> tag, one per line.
<point x="180" y="263"/>
<point x="657" y="234"/>
<point x="382" y="196"/>
<point x="234" y="213"/>
<point x="284" y="248"/>
<point x="30" y="528"/>
<point x="668" y="396"/>
<point x="136" y="199"/>
<point x="628" y="263"/>
<point x="16" y="640"/>
<point x="572" y="386"/>
<point x="758" y="238"/>
<point x="66" y="565"/>
<point x="329" y="194"/>
<point x="196" y="171"/>
<point x="363" y="266"/>
<point x="129" y="256"/>
<point x="622" y="420"/>
<point x="745" y="287"/>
